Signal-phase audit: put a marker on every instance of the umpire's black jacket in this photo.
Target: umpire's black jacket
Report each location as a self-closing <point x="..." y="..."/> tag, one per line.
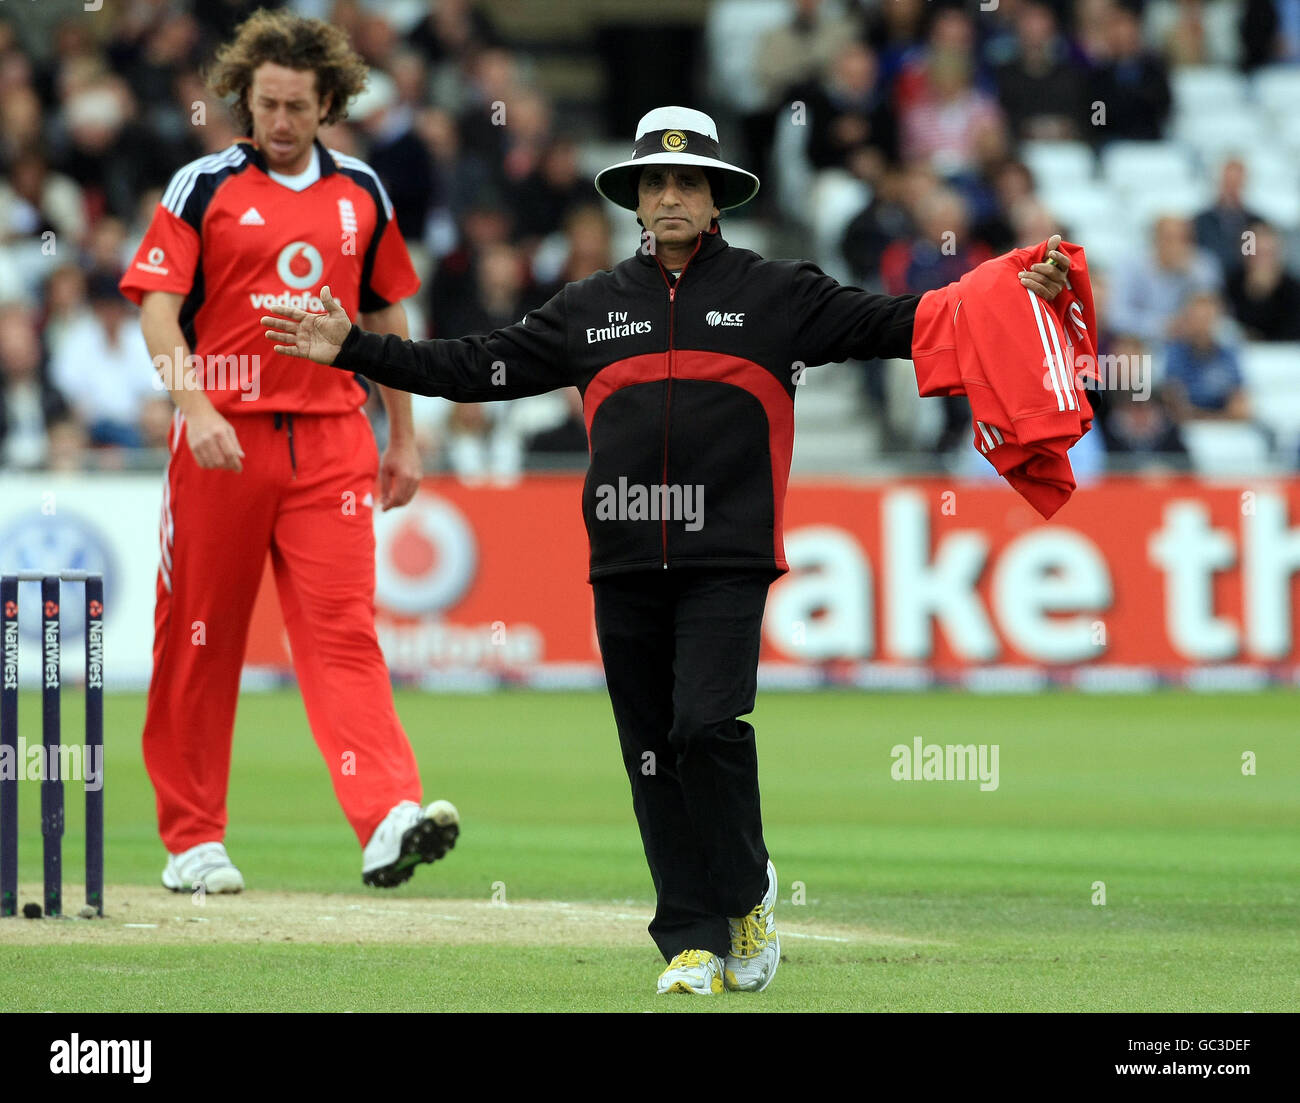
<point x="685" y="384"/>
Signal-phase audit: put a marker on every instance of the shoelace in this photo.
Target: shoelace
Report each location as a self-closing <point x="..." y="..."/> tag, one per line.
<point x="752" y="938"/>
<point x="688" y="959"/>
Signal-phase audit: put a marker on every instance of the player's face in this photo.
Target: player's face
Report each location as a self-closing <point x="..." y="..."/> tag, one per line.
<point x="286" y="113"/>
<point x="674" y="202"/>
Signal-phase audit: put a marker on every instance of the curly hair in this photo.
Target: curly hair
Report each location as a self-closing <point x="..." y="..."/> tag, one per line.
<point x="290" y="40"/>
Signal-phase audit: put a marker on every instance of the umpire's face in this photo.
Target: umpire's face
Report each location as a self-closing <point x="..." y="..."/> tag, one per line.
<point x="674" y="203"/>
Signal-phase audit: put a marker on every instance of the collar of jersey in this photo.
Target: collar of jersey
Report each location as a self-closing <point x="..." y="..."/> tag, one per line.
<point x="258" y="158"/>
<point x="711" y="246"/>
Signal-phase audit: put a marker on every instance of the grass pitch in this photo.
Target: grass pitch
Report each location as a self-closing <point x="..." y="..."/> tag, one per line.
<point x="915" y="896"/>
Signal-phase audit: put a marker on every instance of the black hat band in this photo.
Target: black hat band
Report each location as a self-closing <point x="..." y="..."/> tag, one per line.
<point x="677" y="141"/>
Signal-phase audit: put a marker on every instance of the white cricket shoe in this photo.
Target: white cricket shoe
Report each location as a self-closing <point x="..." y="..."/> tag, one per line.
<point x="407" y="836"/>
<point x="697" y="972"/>
<point x="205" y="866"/>
<point x="755" y="948"/>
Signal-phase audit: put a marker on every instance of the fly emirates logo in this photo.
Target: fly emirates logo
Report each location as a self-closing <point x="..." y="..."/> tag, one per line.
<point x="618" y="326"/>
<point x="300" y="266"/>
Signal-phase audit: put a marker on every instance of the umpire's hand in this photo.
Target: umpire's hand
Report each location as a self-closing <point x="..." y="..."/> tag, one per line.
<point x="316" y="337"/>
<point x="1046" y="279"/>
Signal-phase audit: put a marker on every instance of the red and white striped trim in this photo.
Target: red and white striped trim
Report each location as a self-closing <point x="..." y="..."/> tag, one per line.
<point x="166" y="523"/>
<point x="1060" y="373"/>
<point x="992" y="436"/>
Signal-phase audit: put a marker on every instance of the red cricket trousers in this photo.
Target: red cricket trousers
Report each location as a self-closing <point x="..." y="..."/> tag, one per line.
<point x="305" y="496"/>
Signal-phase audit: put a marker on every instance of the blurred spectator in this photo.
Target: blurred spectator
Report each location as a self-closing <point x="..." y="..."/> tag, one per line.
<point x="945" y="120"/>
<point x="568" y="438"/>
<point x="488" y="97"/>
<point x="1013" y="183"/>
<point x="1219" y="229"/>
<point x="941" y="252"/>
<point x="1136" y="422"/>
<point x="586" y="249"/>
<point x="1032" y="222"/>
<point x="462" y="180"/>
<point x="1148" y="294"/>
<point x="1194" y="32"/>
<point x="896" y="32"/>
<point x="20" y="122"/>
<point x="847" y="112"/>
<point x="397" y="154"/>
<point x="33" y="200"/>
<point x="1091" y="19"/>
<point x="804" y="48"/>
<point x="106" y="151"/>
<point x="1202" y="375"/>
<point x="452" y="31"/>
<point x="65" y="300"/>
<point x="527" y="136"/>
<point x="887" y="218"/>
<point x="152" y="70"/>
<point x="792" y="56"/>
<point x="1265" y="297"/>
<point x="500" y="295"/>
<point x="29" y="404"/>
<point x="1130" y="81"/>
<point x="543" y="198"/>
<point x="107" y="248"/>
<point x="1042" y="88"/>
<point x="103" y="367"/>
<point x="452" y="291"/>
<point x="473" y="440"/>
<point x="1142" y="435"/>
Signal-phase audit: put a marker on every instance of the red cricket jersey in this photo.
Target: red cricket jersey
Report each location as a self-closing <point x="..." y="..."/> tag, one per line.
<point x="1021" y="361"/>
<point x="237" y="244"/>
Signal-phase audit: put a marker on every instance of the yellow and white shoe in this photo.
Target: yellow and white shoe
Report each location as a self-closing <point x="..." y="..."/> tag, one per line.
<point x="755" y="948"/>
<point x="697" y="972"/>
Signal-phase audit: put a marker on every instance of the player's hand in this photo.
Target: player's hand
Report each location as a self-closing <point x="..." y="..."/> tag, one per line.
<point x="399" y="474"/>
<point x="310" y="336"/>
<point x="1046" y="280"/>
<point x="213" y="442"/>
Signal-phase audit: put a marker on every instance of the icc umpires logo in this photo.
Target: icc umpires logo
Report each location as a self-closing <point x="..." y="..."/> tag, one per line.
<point x="719" y="318"/>
<point x="674" y="141"/>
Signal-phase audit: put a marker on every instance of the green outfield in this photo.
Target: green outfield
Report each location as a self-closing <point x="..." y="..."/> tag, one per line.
<point x="916" y="895"/>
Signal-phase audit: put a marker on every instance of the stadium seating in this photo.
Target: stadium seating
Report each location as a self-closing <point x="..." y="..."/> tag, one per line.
<point x="1272" y="371"/>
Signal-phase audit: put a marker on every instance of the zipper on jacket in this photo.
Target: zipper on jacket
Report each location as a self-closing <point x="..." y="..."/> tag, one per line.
<point x="287" y="420"/>
<point x="668" y="395"/>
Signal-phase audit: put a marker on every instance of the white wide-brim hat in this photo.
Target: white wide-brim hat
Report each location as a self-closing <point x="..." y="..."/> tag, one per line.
<point x="677" y="136"/>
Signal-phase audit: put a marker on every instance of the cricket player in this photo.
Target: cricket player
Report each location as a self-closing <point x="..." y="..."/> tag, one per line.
<point x="265" y="458"/>
<point x="688" y="357"/>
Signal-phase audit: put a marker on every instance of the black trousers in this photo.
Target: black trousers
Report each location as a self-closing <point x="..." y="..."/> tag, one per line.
<point x="680" y="649"/>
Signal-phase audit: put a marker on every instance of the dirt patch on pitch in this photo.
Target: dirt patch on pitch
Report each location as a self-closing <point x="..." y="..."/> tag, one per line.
<point x="141" y="916"/>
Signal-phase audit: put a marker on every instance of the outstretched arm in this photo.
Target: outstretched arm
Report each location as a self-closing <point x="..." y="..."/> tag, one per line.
<point x="831" y="322"/>
<point x="523" y="359"/>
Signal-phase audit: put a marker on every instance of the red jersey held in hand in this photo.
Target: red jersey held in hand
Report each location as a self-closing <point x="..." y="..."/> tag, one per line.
<point x="1022" y="363"/>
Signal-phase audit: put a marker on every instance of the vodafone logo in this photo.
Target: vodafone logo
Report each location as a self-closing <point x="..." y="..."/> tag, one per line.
<point x="156" y="255"/>
<point x="426" y="557"/>
<point x="718" y="318"/>
<point x="289" y="266"/>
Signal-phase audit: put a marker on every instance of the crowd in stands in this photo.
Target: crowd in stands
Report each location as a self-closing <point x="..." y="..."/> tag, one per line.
<point x="929" y="111"/>
<point x="921" y="111"/>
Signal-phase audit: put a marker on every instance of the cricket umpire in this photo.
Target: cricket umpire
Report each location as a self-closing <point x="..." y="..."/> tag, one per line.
<point x="688" y="357"/>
